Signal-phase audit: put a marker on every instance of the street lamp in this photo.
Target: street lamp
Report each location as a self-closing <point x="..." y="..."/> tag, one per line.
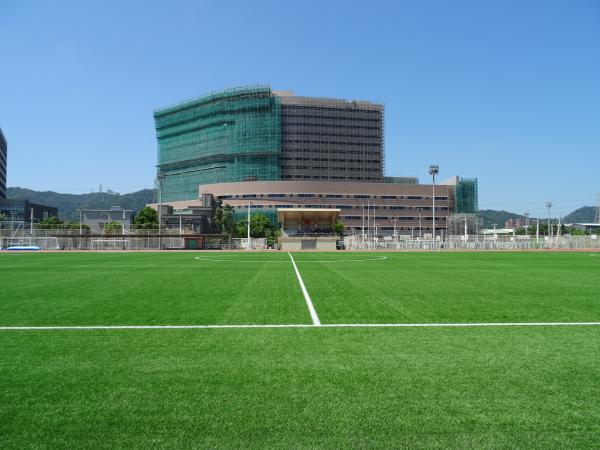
<point x="433" y="171"/>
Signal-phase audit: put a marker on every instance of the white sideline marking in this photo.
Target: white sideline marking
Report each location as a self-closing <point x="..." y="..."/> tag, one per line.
<point x="311" y="308"/>
<point x="202" y="258"/>
<point x="331" y="325"/>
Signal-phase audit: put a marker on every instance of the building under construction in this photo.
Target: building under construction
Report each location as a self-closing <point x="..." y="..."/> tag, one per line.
<point x="274" y="148"/>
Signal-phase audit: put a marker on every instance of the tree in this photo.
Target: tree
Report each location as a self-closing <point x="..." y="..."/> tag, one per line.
<point x="2" y="216"/>
<point x="339" y="227"/>
<point x="146" y="219"/>
<point x="273" y="235"/>
<point x="51" y="223"/>
<point x="223" y="219"/>
<point x="260" y="227"/>
<point x="113" y="227"/>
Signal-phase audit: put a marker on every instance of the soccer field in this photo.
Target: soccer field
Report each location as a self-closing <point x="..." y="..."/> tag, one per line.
<point x="225" y="350"/>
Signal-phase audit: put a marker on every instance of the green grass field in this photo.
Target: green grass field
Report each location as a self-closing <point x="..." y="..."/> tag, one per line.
<point x="302" y="387"/>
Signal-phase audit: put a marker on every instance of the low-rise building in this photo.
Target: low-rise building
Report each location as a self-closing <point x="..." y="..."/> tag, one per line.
<point x="97" y="219"/>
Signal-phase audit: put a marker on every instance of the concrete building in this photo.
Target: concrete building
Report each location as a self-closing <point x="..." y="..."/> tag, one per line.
<point x="3" y="164"/>
<point x="385" y="206"/>
<point x="97" y="219"/>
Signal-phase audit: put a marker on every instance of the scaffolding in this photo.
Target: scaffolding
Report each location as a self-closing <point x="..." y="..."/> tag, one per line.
<point x="229" y="136"/>
<point x="466" y="196"/>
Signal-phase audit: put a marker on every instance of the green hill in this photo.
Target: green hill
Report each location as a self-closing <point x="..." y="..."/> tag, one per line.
<point x="67" y="204"/>
<point x="585" y="214"/>
<point x="491" y="217"/>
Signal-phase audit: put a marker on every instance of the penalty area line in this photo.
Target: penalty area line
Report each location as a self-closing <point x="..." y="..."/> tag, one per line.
<point x="309" y="303"/>
<point x="329" y="325"/>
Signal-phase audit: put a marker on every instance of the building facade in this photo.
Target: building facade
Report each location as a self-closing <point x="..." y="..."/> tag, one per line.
<point x="386" y="207"/>
<point x="97" y="219"/>
<point x="25" y="211"/>
<point x="3" y="164"/>
<point x="330" y="139"/>
<point x="256" y="134"/>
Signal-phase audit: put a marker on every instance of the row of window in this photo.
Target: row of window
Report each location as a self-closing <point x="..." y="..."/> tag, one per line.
<point x="307" y="126"/>
<point x="400" y="218"/>
<point x="352" y="207"/>
<point x="327" y="177"/>
<point x="358" y="196"/>
<point x="304" y="158"/>
<point x="348" y="143"/>
<point x="322" y="118"/>
<point x="337" y="169"/>
<point x="375" y="112"/>
<point x="286" y="133"/>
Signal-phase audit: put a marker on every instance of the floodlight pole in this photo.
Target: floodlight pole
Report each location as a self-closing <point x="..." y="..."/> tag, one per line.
<point x="537" y="231"/>
<point x="549" y="205"/>
<point x="80" y="211"/>
<point x="420" y="235"/>
<point x="466" y="235"/>
<point x="433" y="171"/>
<point x="363" y="226"/>
<point x="526" y="214"/>
<point x="249" y="205"/>
<point x="160" y="178"/>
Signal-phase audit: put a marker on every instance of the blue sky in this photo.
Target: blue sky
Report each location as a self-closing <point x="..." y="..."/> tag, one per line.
<point x="506" y="91"/>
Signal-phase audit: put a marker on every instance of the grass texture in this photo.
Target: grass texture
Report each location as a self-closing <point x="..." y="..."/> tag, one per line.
<point x="313" y="387"/>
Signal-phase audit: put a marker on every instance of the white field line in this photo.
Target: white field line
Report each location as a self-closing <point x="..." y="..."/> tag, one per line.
<point x="311" y="308"/>
<point x="201" y="258"/>
<point x="331" y="325"/>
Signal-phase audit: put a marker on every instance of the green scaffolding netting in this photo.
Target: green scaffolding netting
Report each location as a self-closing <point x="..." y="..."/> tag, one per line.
<point x="230" y="136"/>
<point x="466" y="196"/>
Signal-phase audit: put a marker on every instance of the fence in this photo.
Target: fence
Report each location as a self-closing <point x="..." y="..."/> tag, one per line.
<point x="474" y="242"/>
<point x="171" y="239"/>
<point x="60" y="239"/>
